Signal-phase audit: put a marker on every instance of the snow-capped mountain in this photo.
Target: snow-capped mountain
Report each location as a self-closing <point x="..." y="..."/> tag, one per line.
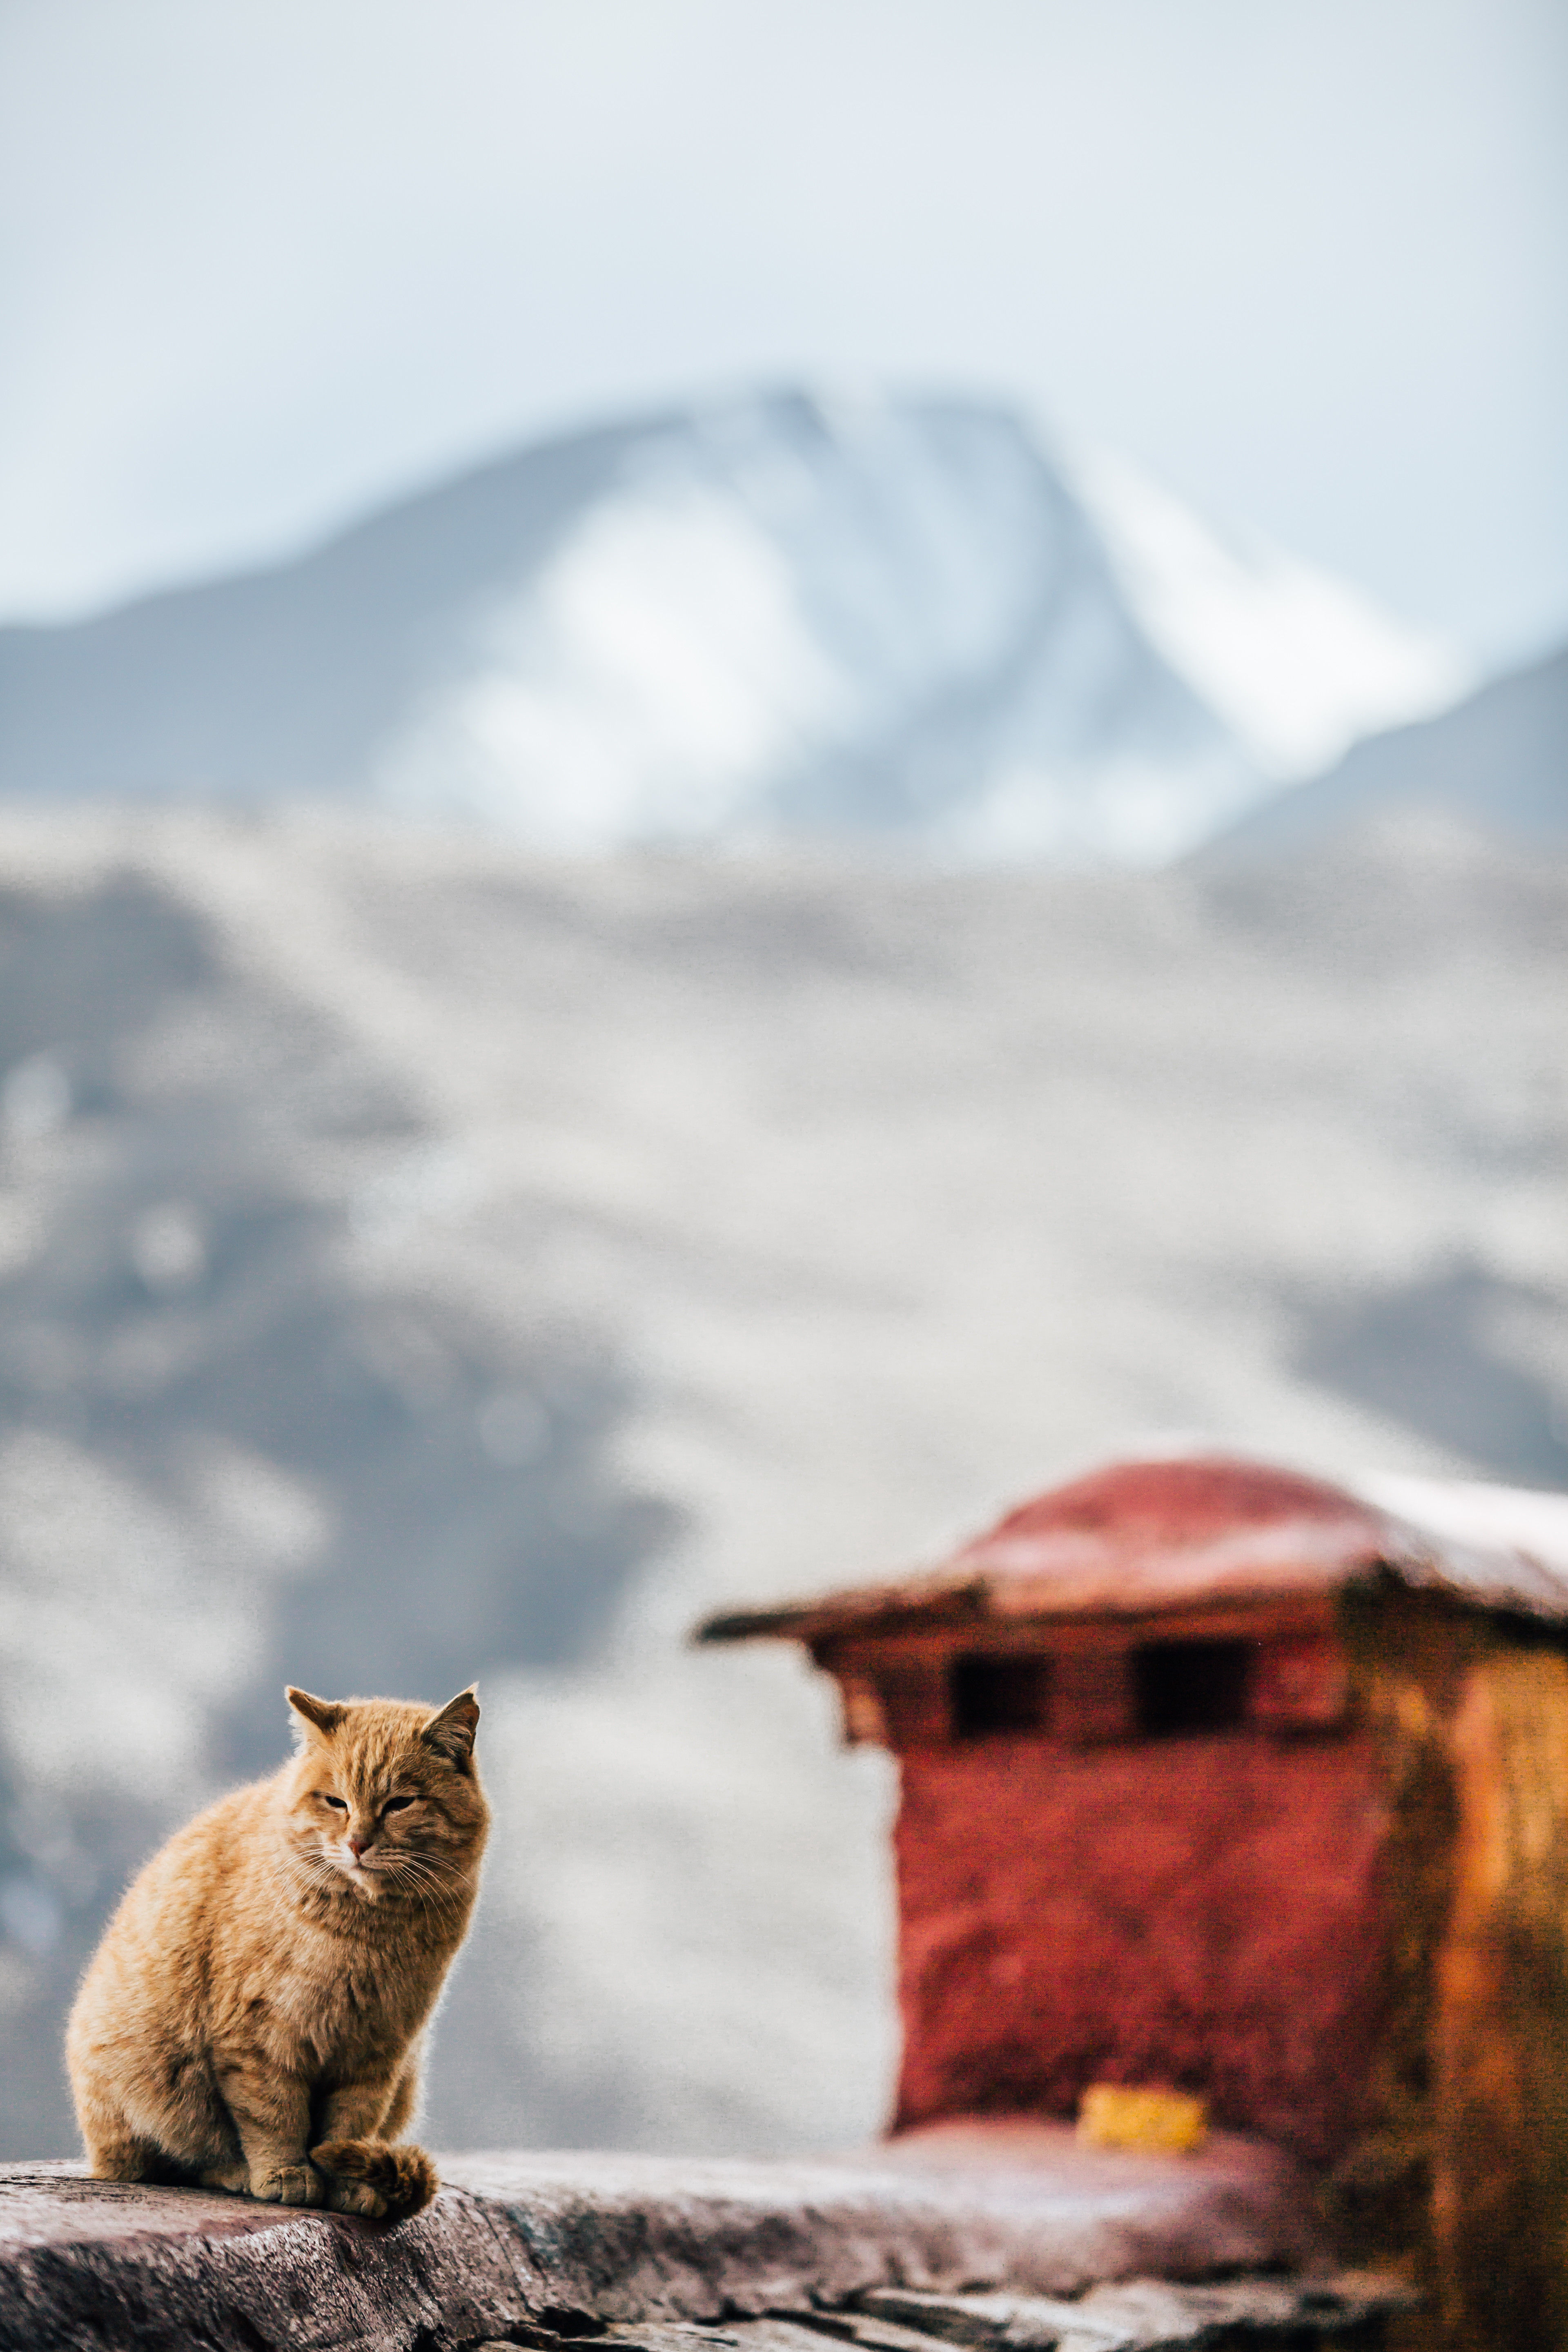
<point x="773" y="616"/>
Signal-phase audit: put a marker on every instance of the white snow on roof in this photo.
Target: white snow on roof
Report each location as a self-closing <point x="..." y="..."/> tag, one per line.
<point x="1474" y="1514"/>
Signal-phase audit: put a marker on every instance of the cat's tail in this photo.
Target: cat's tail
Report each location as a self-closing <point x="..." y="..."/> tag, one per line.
<point x="385" y="2182"/>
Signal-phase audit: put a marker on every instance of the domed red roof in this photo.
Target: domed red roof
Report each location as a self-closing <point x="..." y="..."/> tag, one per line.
<point x="1173" y="1532"/>
<point x="1187" y="1499"/>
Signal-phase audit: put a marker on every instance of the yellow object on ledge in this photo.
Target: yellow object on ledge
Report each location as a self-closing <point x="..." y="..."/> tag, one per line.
<point x="1169" y="2122"/>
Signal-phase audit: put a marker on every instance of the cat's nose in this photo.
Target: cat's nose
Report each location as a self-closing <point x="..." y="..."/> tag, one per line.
<point x="357" y="1846"/>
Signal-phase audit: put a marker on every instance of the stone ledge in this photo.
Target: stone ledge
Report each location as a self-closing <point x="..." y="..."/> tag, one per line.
<point x="528" y="2248"/>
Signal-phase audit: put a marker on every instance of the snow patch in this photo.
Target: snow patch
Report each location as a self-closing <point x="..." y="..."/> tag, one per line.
<point x="642" y="688"/>
<point x="1297" y="663"/>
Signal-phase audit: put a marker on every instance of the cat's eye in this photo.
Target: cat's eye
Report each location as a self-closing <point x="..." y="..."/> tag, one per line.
<point x="396" y="1804"/>
<point x="338" y="1804"/>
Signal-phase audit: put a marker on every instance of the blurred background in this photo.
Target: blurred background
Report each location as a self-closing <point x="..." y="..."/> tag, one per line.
<point x="763" y="772"/>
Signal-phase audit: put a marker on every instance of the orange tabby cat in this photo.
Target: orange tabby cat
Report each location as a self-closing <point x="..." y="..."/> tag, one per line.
<point x="251" y="2018"/>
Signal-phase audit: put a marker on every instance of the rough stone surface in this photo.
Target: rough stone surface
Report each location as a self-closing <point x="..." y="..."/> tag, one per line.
<point x="521" y="2249"/>
<point x="1138" y="2314"/>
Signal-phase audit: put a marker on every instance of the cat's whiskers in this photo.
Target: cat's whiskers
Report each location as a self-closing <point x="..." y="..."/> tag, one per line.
<point x="415" y="1870"/>
<point x="417" y="1875"/>
<point x="304" y="1879"/>
<point x="300" y="1876"/>
<point x="414" y="1877"/>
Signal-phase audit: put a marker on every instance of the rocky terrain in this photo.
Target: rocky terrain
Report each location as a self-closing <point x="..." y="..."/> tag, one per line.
<point x="1093" y="2251"/>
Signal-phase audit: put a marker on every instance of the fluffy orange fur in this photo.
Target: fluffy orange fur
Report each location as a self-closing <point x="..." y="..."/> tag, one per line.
<point x="252" y="2018"/>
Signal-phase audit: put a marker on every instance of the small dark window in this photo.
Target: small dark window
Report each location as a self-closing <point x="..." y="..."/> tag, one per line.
<point x="990" y="1694"/>
<point x="1191" y="1685"/>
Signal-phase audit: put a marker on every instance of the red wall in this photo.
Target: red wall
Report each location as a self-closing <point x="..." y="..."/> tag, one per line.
<point x="1202" y="1913"/>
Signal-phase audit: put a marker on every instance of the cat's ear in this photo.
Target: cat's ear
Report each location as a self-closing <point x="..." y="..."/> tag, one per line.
<point x="451" y="1733"/>
<point x="322" y="1715"/>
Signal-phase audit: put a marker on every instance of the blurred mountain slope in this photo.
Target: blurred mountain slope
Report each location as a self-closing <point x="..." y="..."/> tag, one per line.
<point x="420" y="1260"/>
<point x="776" y="615"/>
<point x="1498" y="761"/>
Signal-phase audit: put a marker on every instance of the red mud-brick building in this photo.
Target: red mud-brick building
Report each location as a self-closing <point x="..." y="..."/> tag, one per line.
<point x="1219" y="1778"/>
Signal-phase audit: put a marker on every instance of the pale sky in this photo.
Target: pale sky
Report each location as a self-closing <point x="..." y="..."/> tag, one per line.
<point x="266" y="262"/>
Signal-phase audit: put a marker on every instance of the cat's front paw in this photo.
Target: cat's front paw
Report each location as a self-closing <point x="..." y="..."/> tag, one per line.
<point x="357" y="2197"/>
<point x="379" y="2181"/>
<point x="289" y="2184"/>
